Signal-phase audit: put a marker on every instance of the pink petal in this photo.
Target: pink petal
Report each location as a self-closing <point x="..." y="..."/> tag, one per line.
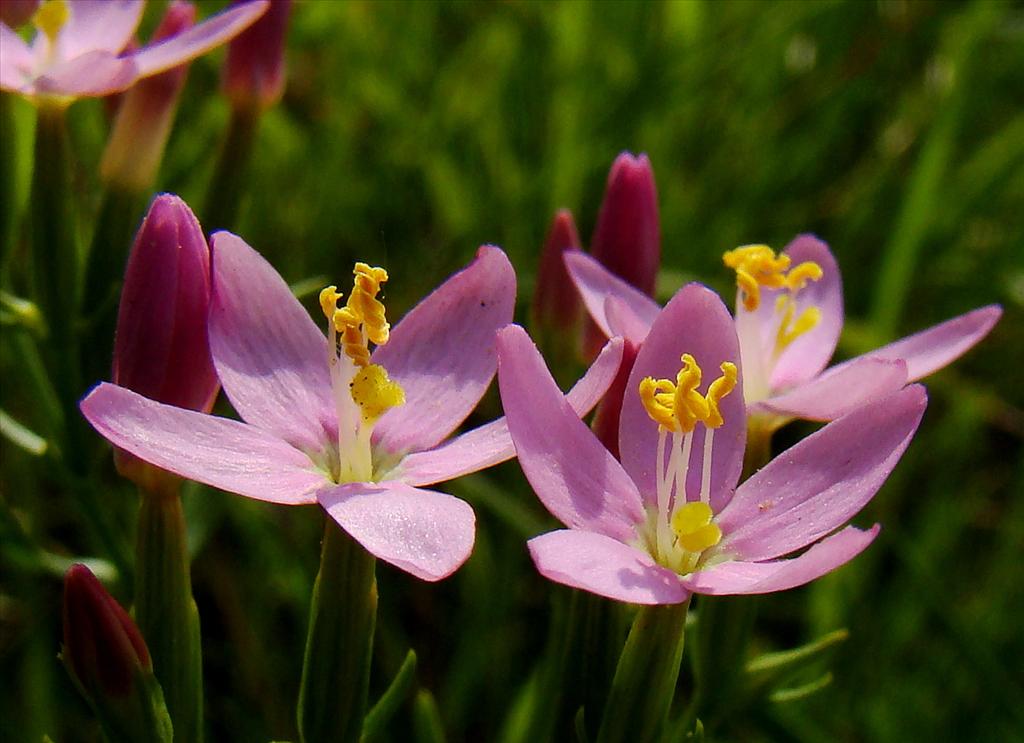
<point x="442" y="353"/>
<point x="601" y="565"/>
<point x="491" y="443"/>
<point x="839" y="390"/>
<point x="596" y="283"/>
<point x="930" y="350"/>
<point x="15" y="60"/>
<point x="424" y="533"/>
<point x="223" y="453"/>
<point x="575" y="477"/>
<point x="806" y="356"/>
<point x="819" y="484"/>
<point x="92" y="74"/>
<point x="696" y="322"/>
<point x="765" y="577"/>
<point x="624" y="321"/>
<point x="98" y="25"/>
<point x="199" y="39"/>
<point x="271" y="358"/>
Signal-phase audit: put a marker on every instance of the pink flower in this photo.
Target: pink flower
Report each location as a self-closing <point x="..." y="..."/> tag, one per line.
<point x="356" y="432"/>
<point x="669" y="520"/>
<point x="77" y="51"/>
<point x="789" y="330"/>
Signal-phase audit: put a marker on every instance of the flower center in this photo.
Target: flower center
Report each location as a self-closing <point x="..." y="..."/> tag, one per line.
<point x="51" y="17"/>
<point x="758" y="266"/>
<point x="362" y="391"/>
<point x="681" y="529"/>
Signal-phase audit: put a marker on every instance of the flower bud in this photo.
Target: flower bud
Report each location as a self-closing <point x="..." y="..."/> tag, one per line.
<point x="556" y="303"/>
<point x="107" y="658"/>
<point x="145" y="114"/>
<point x="15" y="13"/>
<point x="160" y="347"/>
<point x="102" y="646"/>
<point x="627" y="238"/>
<point x="254" y="73"/>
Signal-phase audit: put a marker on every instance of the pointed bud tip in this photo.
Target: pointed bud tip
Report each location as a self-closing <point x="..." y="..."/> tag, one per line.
<point x="102" y="646"/>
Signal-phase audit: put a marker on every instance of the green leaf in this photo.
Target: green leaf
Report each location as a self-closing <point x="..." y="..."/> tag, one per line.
<point x="801" y="692"/>
<point x="22" y="437"/>
<point x="391" y="700"/>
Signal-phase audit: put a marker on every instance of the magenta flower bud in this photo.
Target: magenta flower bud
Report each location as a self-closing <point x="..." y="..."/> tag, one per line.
<point x="556" y="303"/>
<point x="161" y="349"/>
<point x="627" y="238"/>
<point x="254" y="73"/>
<point x="15" y="13"/>
<point x="103" y="648"/>
<point x="146" y="112"/>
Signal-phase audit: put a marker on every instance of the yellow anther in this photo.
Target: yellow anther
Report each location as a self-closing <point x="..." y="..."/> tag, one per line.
<point x="51" y="17"/>
<point x="757" y="266"/>
<point x="693" y="527"/>
<point x="329" y="297"/>
<point x="362" y="319"/>
<point x="657" y="398"/>
<point x="678" y="406"/>
<point x="751" y="291"/>
<point x="353" y="345"/>
<point x="375" y="393"/>
<point x="689" y="406"/>
<point x="719" y="389"/>
<point x="798" y="277"/>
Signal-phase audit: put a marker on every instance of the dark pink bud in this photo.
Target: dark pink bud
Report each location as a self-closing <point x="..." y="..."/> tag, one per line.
<point x="103" y="648"/>
<point x="146" y="112"/>
<point x="627" y="238"/>
<point x="161" y="349"/>
<point x="556" y="303"/>
<point x="14" y="13"/>
<point x="254" y="73"/>
<point x="606" y="419"/>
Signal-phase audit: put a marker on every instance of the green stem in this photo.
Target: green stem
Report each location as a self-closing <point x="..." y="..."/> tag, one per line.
<point x="8" y="185"/>
<point x="166" y="612"/>
<point x="720" y="644"/>
<point x="55" y="268"/>
<point x="645" y="679"/>
<point x="336" y="668"/>
<point x="231" y="176"/>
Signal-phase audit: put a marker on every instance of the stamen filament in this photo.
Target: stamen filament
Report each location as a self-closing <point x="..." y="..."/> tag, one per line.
<point x="705" y="475"/>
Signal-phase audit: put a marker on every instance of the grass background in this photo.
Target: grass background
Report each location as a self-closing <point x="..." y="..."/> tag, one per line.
<point x="413" y="132"/>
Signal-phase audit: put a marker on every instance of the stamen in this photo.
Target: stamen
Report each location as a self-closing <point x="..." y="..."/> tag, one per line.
<point x="798" y="277"/>
<point x="677" y="407"/>
<point x="790" y="330"/>
<point x="757" y="266"/>
<point x="51" y="17"/>
<point x="362" y="319"/>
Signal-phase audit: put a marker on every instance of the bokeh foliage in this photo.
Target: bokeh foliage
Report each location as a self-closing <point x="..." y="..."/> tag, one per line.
<point x="412" y="132"/>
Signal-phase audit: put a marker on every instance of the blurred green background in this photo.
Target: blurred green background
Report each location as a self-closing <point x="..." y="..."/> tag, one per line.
<point x="413" y="132"/>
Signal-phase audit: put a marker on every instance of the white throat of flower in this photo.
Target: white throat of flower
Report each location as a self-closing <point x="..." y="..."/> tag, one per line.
<point x="362" y="391"/>
<point x="758" y="266"/>
<point x="680" y="529"/>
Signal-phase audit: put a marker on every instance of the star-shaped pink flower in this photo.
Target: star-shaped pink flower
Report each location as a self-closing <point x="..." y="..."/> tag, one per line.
<point x="302" y="441"/>
<point x="79" y="49"/>
<point x="669" y="520"/>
